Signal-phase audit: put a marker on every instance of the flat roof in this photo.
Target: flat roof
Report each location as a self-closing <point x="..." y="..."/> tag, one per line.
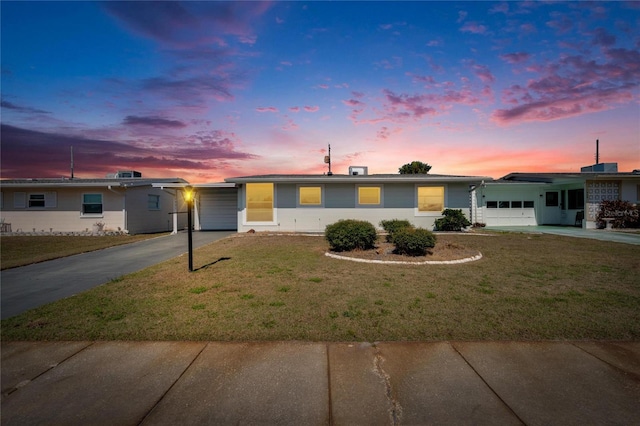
<point x="75" y="182"/>
<point x="568" y="177"/>
<point x="336" y="178"/>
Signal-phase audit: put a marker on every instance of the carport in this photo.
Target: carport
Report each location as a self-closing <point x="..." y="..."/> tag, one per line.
<point x="215" y="206"/>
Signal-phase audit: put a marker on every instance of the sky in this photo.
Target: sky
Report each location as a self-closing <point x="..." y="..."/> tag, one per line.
<point x="210" y="90"/>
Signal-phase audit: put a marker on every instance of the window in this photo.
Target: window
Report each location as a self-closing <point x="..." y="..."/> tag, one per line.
<point x="431" y="198"/>
<point x="369" y="195"/>
<point x="153" y="202"/>
<point x="503" y="204"/>
<point x="36" y="200"/>
<point x="91" y="203"/>
<point x="552" y="199"/>
<point x="259" y="202"/>
<point x="516" y="204"/>
<point x="528" y="204"/>
<point x="576" y="199"/>
<point x="310" y="195"/>
<point x="492" y="204"/>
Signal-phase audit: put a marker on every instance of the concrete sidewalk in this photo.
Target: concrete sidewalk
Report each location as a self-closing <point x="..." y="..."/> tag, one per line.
<point x="34" y="285"/>
<point x="295" y="383"/>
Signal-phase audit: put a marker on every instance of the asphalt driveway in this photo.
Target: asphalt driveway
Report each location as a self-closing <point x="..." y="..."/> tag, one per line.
<point x="34" y="285"/>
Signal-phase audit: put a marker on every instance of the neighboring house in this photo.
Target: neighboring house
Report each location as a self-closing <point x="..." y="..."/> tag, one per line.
<point x="76" y="205"/>
<point x="308" y="203"/>
<point x="530" y="199"/>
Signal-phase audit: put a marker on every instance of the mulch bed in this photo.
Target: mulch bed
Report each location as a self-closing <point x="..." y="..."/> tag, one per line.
<point x="385" y="252"/>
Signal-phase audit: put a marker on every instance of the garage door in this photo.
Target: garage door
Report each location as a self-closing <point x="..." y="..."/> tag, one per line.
<point x="219" y="209"/>
<point x="510" y="213"/>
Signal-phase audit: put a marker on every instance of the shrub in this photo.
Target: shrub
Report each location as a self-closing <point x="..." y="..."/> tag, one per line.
<point x="391" y="226"/>
<point x="624" y="214"/>
<point x="453" y="220"/>
<point x="349" y="234"/>
<point x="413" y="241"/>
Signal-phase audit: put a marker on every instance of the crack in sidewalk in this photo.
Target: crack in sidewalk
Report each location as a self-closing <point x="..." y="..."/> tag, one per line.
<point x="395" y="412"/>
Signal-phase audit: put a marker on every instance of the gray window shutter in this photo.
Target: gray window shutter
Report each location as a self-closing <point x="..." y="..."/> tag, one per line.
<point x="51" y="199"/>
<point x="20" y="200"/>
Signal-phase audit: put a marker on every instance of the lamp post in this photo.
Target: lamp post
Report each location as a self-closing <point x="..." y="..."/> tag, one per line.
<point x="188" y="197"/>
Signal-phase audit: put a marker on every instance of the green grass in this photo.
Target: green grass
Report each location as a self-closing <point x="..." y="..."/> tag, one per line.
<point x="16" y="250"/>
<point x="284" y="288"/>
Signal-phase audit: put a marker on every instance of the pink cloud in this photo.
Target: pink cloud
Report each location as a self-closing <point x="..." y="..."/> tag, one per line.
<point x="354" y="103"/>
<point x="294" y="109"/>
<point x="96" y="157"/>
<point x="560" y="22"/>
<point x="474" y="28"/>
<point x="573" y="86"/>
<point x="528" y="28"/>
<point x="602" y="37"/>
<point x="267" y="109"/>
<point x="516" y="57"/>
<point x="189" y="24"/>
<point x="132" y="120"/>
<point x="484" y="74"/>
<point x="389" y="64"/>
<point x="408" y="106"/>
<point x="290" y="125"/>
<point x="312" y="108"/>
<point x="426" y="79"/>
<point x="500" y="8"/>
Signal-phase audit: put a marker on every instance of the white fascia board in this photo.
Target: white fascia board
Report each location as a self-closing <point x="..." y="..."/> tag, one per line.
<point x="196" y="185"/>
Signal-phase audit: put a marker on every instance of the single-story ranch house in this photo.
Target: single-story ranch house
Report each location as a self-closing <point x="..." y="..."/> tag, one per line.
<point x="570" y="199"/>
<point x="130" y="204"/>
<point x="311" y="202"/>
<point x="308" y="203"/>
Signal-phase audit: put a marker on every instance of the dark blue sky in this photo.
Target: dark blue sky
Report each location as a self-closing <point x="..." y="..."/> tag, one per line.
<point x="208" y="90"/>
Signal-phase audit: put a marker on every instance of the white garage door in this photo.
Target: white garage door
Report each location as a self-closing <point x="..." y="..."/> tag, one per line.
<point x="510" y="213"/>
<point x="219" y="209"/>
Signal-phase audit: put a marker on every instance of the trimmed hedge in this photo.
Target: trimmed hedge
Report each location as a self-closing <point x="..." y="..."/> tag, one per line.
<point x="453" y="220"/>
<point x="350" y="234"/>
<point x="393" y="225"/>
<point x="413" y="241"/>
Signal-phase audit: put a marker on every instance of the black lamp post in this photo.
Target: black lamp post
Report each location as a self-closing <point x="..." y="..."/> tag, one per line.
<point x="188" y="196"/>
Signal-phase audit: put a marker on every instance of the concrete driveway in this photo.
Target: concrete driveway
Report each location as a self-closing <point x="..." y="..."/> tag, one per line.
<point x="34" y="285"/>
<point x="570" y="231"/>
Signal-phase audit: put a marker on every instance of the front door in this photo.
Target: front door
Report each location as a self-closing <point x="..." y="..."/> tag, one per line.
<point x="552" y="208"/>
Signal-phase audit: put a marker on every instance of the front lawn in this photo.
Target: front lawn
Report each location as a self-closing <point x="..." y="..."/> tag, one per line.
<point x="20" y="250"/>
<point x="257" y="287"/>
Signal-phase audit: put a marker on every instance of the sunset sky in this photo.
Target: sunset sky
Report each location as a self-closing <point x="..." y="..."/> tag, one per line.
<point x="210" y="90"/>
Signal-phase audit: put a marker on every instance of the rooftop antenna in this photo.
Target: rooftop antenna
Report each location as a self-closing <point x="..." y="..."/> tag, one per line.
<point x="71" y="161"/>
<point x="597" y="151"/>
<point x="327" y="160"/>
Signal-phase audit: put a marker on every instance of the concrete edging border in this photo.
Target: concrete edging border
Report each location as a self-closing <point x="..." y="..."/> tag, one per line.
<point x="397" y="262"/>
